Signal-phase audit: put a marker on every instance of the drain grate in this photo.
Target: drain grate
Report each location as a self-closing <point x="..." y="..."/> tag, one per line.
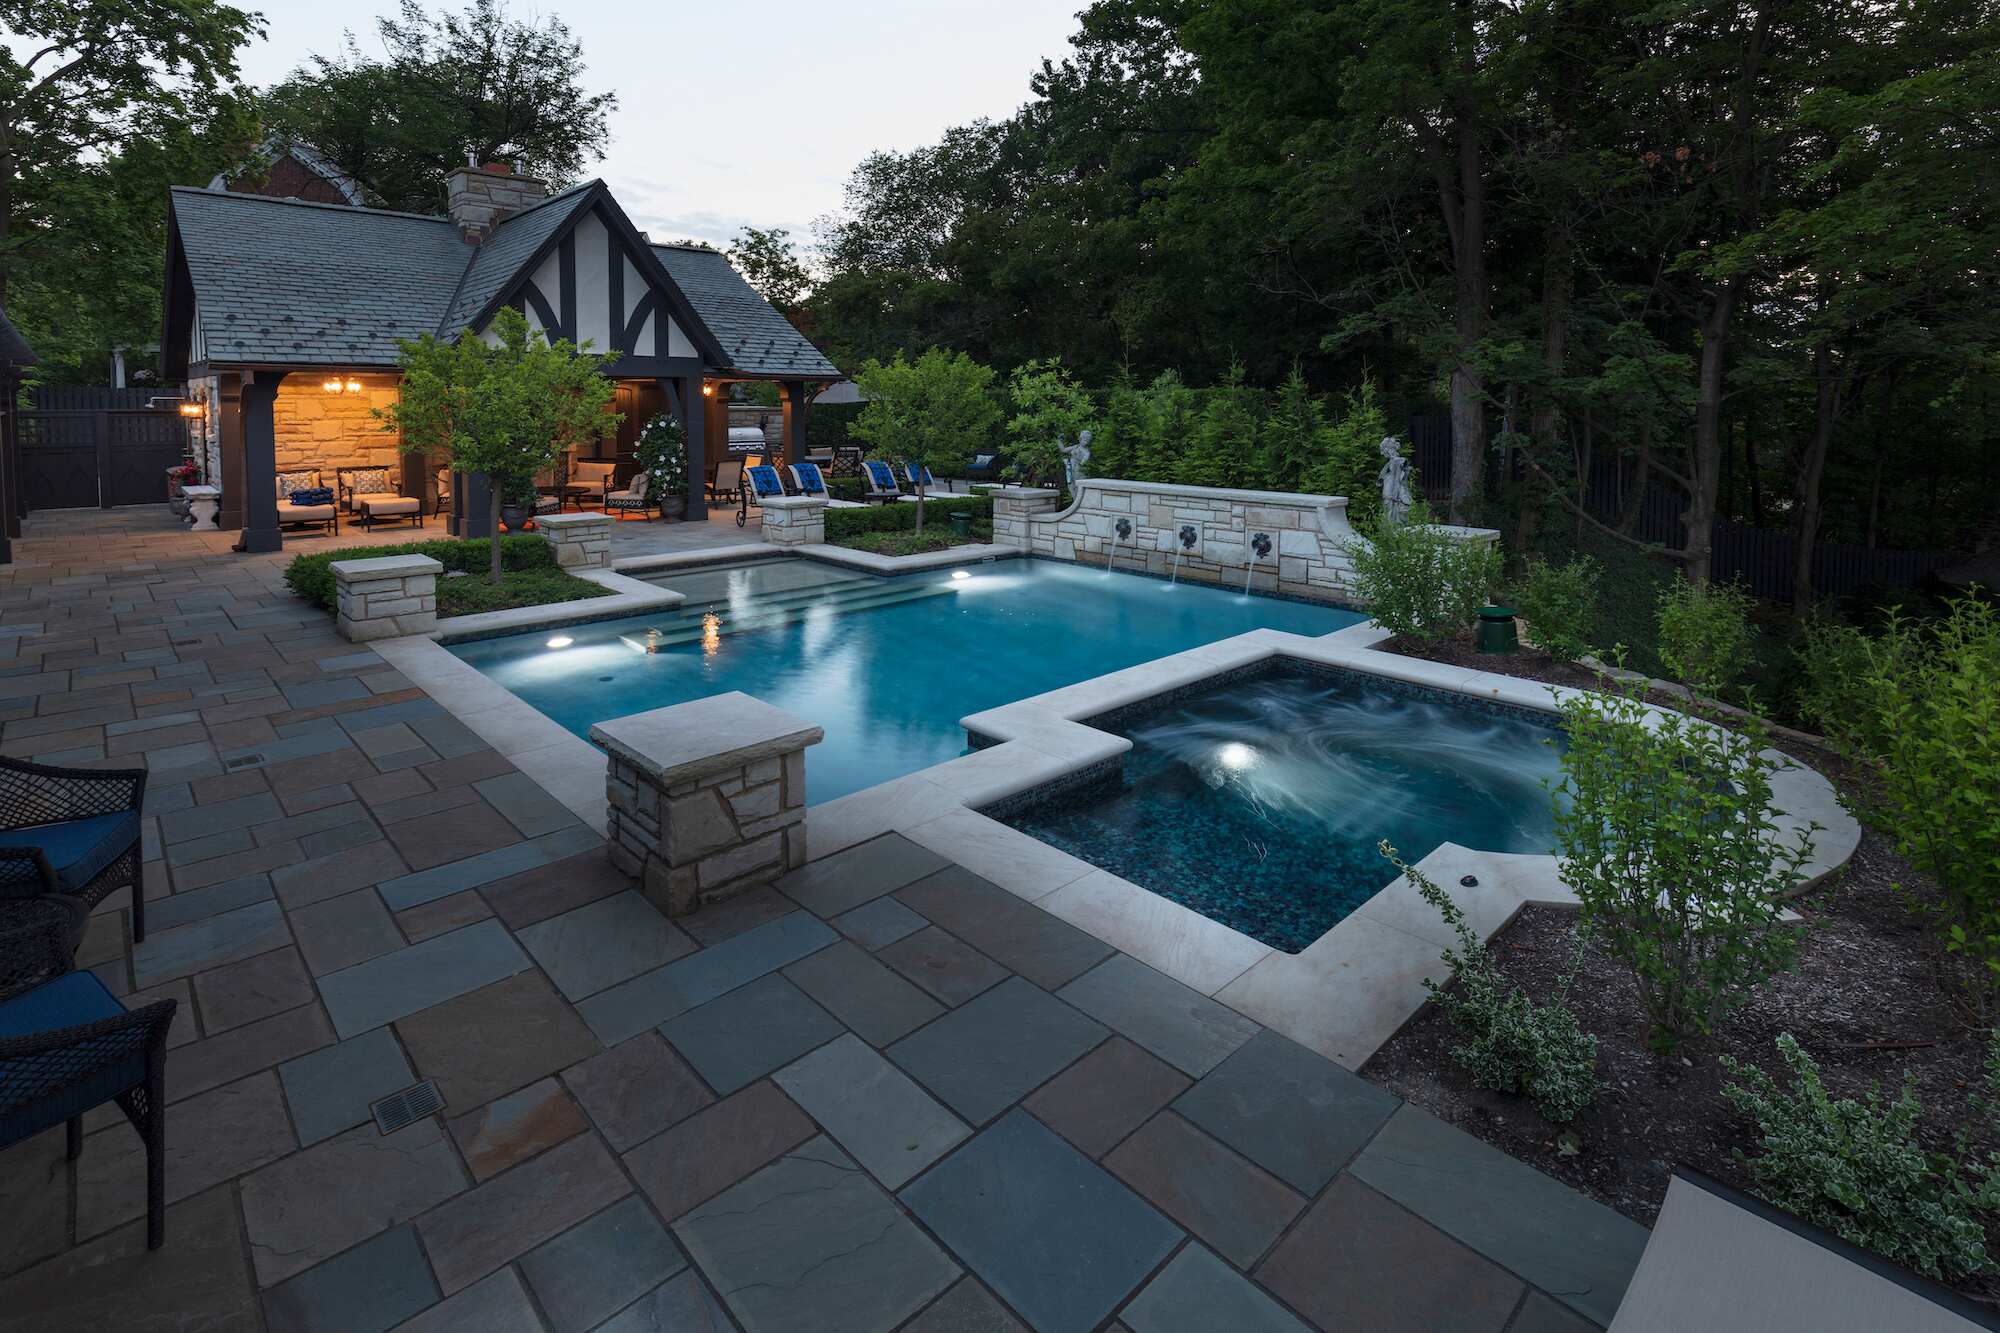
<point x="407" y="1107"/>
<point x="185" y="643"/>
<point x="242" y="761"/>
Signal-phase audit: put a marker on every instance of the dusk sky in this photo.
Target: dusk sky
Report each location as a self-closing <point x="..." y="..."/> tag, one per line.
<point x="754" y="112"/>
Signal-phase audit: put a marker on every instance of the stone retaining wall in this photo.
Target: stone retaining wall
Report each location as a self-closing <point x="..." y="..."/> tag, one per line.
<point x="386" y="597"/>
<point x="707" y="798"/>
<point x="1308" y="534"/>
<point x="581" y="541"/>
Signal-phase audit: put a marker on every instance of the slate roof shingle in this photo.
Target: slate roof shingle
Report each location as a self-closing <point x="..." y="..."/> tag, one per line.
<point x="282" y="281"/>
<point x="756" y="338"/>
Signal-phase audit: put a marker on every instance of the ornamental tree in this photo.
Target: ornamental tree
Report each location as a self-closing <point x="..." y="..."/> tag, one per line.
<point x="504" y="409"/>
<point x="930" y="412"/>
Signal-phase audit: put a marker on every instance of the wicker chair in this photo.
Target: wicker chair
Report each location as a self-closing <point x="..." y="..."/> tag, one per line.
<point x="71" y="831"/>
<point x="67" y="1045"/>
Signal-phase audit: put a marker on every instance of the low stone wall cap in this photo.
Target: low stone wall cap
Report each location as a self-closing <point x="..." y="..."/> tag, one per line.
<point x="384" y="566"/>
<point x="795" y="502"/>
<point x="574" y="520"/>
<point x="682" y="741"/>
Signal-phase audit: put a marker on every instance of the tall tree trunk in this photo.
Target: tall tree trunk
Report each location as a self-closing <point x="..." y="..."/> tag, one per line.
<point x="1806" y="509"/>
<point x="1705" y="468"/>
<point x="1756" y="476"/>
<point x="1874" y="499"/>
<point x="1545" y="419"/>
<point x="1632" y="495"/>
<point x="1468" y="390"/>
<point x="493" y="521"/>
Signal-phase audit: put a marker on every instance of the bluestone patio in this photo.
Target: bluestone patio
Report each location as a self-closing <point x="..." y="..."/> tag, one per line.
<point x="884" y="1094"/>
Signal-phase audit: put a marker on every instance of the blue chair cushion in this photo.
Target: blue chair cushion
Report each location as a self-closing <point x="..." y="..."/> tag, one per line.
<point x="38" y="1094"/>
<point x="78" y="848"/>
<point x="880" y="476"/>
<point x="307" y="496"/>
<point x="807" y="475"/>
<point x="764" y="480"/>
<point x="918" y="475"/>
<point x="71" y="999"/>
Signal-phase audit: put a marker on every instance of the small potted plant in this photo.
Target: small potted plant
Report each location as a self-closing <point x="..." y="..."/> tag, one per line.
<point x="517" y="503"/>
<point x="178" y="479"/>
<point x="662" y="454"/>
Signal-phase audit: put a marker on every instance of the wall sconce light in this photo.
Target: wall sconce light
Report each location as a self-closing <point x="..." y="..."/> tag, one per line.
<point x="353" y="384"/>
<point x="708" y="391"/>
<point x="335" y="384"/>
<point x="194" y="410"/>
<point x="331" y="385"/>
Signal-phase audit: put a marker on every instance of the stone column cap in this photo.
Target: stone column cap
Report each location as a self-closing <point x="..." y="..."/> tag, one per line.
<point x="795" y="502"/>
<point x="384" y="567"/>
<point x="1021" y="492"/>
<point x="685" y="741"/>
<point x="201" y="492"/>
<point x="558" y="522"/>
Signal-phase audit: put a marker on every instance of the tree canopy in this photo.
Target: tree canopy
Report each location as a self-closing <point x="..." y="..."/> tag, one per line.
<point x="476" y="83"/>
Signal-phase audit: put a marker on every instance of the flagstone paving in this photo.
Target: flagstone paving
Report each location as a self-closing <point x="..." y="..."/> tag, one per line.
<point x="883" y="1095"/>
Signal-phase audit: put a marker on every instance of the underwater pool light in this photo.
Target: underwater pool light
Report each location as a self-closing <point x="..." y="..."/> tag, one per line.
<point x="961" y="574"/>
<point x="1236" y="755"/>
<point x="561" y="641"/>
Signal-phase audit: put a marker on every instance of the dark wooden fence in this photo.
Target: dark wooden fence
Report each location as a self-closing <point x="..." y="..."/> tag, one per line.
<point x="91" y="448"/>
<point x="1759" y="558"/>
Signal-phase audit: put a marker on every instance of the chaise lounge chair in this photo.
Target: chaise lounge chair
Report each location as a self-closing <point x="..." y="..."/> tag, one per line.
<point x="762" y="482"/>
<point x="919" y="476"/>
<point x="881" y="480"/>
<point x="68" y="1046"/>
<point x="806" y="479"/>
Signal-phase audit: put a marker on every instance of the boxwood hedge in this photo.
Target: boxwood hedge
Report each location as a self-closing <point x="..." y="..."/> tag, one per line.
<point x="311" y="576"/>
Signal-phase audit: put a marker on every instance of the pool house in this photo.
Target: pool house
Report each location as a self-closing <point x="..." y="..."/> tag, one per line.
<point x="284" y="317"/>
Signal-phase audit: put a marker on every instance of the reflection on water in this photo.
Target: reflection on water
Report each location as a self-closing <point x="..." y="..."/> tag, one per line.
<point x="1261" y="803"/>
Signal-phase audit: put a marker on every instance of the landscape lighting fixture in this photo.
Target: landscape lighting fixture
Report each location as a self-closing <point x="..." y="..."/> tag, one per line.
<point x="561" y="641"/>
<point x="960" y="574"/>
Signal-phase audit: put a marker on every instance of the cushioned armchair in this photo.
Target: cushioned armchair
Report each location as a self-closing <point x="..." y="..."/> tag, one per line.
<point x="595" y="478"/>
<point x="67" y="1045"/>
<point x="633" y="499"/>
<point x="73" y="832"/>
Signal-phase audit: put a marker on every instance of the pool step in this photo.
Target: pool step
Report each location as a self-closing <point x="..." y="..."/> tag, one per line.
<point x="693" y="612"/>
<point x="697" y="605"/>
<point x="672" y="632"/>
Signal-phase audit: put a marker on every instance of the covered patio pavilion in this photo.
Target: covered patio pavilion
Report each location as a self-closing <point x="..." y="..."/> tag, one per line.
<point x="285" y="316"/>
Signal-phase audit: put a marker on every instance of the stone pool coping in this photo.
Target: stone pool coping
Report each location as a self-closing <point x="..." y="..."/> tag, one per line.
<point x="1343" y="996"/>
<point x="1349" y="991"/>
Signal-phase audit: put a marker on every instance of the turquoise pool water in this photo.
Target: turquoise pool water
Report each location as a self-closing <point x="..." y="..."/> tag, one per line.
<point x="1260" y="803"/>
<point x="886" y="666"/>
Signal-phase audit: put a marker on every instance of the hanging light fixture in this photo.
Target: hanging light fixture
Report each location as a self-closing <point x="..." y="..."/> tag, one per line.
<point x="708" y="391"/>
<point x="194" y="410"/>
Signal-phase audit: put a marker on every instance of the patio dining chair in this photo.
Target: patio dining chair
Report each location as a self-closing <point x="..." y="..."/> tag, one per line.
<point x="632" y="499"/>
<point x="881" y="479"/>
<point x="727" y="483"/>
<point x="73" y="832"/>
<point x="68" y="1046"/>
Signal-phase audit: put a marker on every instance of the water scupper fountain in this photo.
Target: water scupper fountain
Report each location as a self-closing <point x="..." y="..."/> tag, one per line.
<point x="1184" y="544"/>
<point x="1259" y="549"/>
<point x="1121" y="532"/>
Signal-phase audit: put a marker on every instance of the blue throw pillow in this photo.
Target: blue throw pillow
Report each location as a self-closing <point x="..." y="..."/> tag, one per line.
<point x="307" y="496"/>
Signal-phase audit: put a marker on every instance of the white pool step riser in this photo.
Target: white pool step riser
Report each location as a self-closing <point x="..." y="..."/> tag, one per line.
<point x="694" y="629"/>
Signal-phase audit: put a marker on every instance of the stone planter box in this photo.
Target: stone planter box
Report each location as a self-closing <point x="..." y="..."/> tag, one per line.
<point x="386" y="597"/>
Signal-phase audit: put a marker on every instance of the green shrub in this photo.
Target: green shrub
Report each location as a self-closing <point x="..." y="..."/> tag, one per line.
<point x="898" y="517"/>
<point x="1859" y="1169"/>
<point x="1664" y="833"/>
<point x="845" y="488"/>
<point x="1350" y="459"/>
<point x="311" y="576"/>
<point x="1508" y="1042"/>
<point x="1923" y="714"/>
<point x="1421" y="582"/>
<point x="1560" y="605"/>
<point x="1705" y="634"/>
<point x="540" y="586"/>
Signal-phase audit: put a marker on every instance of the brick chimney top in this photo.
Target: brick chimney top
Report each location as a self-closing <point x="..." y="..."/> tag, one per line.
<point x="480" y="198"/>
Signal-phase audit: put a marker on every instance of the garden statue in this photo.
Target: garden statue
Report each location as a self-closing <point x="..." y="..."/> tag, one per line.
<point x="1074" y="458"/>
<point x="1395" y="478"/>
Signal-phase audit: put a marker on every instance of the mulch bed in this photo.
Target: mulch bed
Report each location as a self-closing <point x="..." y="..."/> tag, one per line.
<point x="1864" y="1000"/>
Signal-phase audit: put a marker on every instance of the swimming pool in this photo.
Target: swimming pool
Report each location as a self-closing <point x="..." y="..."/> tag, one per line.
<point x="1259" y="802"/>
<point x="886" y="666"/>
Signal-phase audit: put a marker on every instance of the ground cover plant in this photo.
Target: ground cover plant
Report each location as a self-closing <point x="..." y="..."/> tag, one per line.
<point x="529" y="574"/>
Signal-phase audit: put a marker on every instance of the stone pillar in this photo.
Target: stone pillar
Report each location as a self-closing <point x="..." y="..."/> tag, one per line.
<point x="795" y="520"/>
<point x="796" y="404"/>
<point x="581" y="541"/>
<point x="389" y="596"/>
<point x="707" y="798"/>
<point x="1013" y="506"/>
<point x="203" y="502"/>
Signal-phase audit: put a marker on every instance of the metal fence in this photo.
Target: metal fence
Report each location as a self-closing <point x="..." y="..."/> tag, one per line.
<point x="1759" y="558"/>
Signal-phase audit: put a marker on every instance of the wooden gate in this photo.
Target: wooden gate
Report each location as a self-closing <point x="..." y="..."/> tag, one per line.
<point x="96" y="457"/>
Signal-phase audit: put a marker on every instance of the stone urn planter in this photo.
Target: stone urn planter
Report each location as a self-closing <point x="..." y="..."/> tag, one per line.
<point x="674" y="506"/>
<point x="514" y="517"/>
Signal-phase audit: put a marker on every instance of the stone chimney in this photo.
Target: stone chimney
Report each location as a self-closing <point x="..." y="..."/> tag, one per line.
<point x="480" y="198"/>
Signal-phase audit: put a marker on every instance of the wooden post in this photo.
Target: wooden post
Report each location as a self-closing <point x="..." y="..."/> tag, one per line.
<point x="260" y="463"/>
<point x="684" y="396"/>
<point x="228" y="409"/>
<point x="793" y="392"/>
